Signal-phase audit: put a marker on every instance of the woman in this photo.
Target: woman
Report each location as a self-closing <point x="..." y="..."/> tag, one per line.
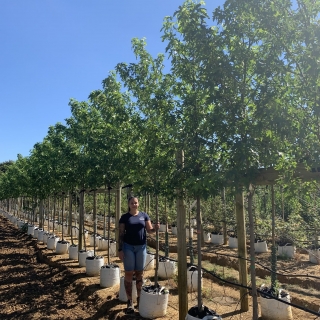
<point x="133" y="247"/>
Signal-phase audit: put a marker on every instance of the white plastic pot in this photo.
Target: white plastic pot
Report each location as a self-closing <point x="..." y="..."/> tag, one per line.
<point x="40" y="235"/>
<point x="207" y="236"/>
<point x="35" y="232"/>
<point x="272" y="309"/>
<point x="73" y="252"/>
<point x="82" y="256"/>
<point x="260" y="246"/>
<point x="30" y="230"/>
<point x="216" y="238"/>
<point x="113" y="249"/>
<point x="75" y="231"/>
<point x="192" y="279"/>
<point x="167" y="269"/>
<point x="20" y="223"/>
<point x="52" y="242"/>
<point x="153" y="305"/>
<point x="162" y="228"/>
<point x="45" y="237"/>
<point x="103" y="244"/>
<point x="65" y="230"/>
<point x="149" y="261"/>
<point x="314" y="256"/>
<point x="287" y="251"/>
<point x="109" y="276"/>
<point x="189" y="234"/>
<point x="93" y="265"/>
<point x="92" y="240"/>
<point x="174" y="230"/>
<point x="62" y="247"/>
<point x="122" y="292"/>
<point x="56" y="225"/>
<point x="233" y="242"/>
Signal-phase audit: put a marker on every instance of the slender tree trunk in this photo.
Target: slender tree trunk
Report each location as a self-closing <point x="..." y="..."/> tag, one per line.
<point x="182" y="250"/>
<point x="242" y="250"/>
<point x="157" y="243"/>
<point x="62" y="214"/>
<point x="225" y="239"/>
<point x="255" y="310"/>
<point x="81" y="218"/>
<point x="118" y="212"/>
<point x="94" y="221"/>
<point x="70" y="214"/>
<point x="199" y="244"/>
<point x="109" y="213"/>
<point x="273" y="247"/>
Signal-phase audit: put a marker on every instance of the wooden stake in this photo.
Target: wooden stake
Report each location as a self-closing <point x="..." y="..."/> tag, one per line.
<point x="182" y="250"/>
<point x="118" y="212"/>
<point x="242" y="250"/>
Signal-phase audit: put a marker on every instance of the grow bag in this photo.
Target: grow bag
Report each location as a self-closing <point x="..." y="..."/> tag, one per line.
<point x="260" y="246"/>
<point x="206" y="236"/>
<point x="153" y="302"/>
<point x="103" y="244"/>
<point x="287" y="251"/>
<point x="62" y="247"/>
<point x="35" y="232"/>
<point x="40" y="234"/>
<point x="93" y="265"/>
<point x="167" y="268"/>
<point x="272" y="309"/>
<point x="20" y="223"/>
<point x="45" y="237"/>
<point x="314" y="256"/>
<point x="52" y="242"/>
<point x="192" y="279"/>
<point x="65" y="229"/>
<point x="216" y="238"/>
<point x="30" y="230"/>
<point x="109" y="275"/>
<point x="92" y="240"/>
<point x="73" y="252"/>
<point x="205" y="314"/>
<point x="113" y="248"/>
<point x="75" y="231"/>
<point x="174" y="230"/>
<point x="233" y="242"/>
<point x="189" y="234"/>
<point x="122" y="292"/>
<point x="82" y="256"/>
<point x="149" y="265"/>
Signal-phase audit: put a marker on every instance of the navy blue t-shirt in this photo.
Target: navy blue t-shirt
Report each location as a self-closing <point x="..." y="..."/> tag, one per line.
<point x="135" y="228"/>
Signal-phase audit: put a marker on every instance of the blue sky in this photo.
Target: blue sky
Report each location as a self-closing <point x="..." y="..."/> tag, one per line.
<point x="54" y="50"/>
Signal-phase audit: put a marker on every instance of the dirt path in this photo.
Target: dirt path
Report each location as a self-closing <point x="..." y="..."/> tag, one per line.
<point x="36" y="283"/>
<point x="30" y="289"/>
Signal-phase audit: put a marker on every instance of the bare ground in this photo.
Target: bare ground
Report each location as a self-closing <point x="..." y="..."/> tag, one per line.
<point x="36" y="283"/>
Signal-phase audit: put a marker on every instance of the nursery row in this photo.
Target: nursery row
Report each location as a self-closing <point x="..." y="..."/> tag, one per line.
<point x="94" y="264"/>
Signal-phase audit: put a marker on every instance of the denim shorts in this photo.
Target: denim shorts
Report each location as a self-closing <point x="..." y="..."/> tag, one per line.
<point x="134" y="257"/>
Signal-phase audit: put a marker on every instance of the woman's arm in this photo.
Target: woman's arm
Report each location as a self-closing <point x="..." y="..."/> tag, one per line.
<point x="121" y="235"/>
<point x="151" y="229"/>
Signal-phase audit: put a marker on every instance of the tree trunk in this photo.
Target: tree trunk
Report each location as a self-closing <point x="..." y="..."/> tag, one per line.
<point x="252" y="256"/>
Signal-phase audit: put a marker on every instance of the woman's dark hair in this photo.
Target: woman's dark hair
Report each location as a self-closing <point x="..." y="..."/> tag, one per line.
<point x="131" y="197"/>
